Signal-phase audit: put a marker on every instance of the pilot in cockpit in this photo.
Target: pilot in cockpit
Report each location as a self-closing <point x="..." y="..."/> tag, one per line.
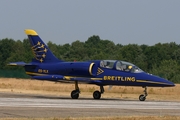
<point x="105" y="64"/>
<point x="102" y="64"/>
<point x="128" y="68"/>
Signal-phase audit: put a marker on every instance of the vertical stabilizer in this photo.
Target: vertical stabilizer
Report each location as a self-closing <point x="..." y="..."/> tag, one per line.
<point x="40" y="50"/>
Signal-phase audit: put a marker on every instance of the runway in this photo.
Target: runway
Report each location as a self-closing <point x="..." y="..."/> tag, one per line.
<point x="22" y="105"/>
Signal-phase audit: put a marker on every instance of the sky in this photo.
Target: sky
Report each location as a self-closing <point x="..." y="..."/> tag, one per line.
<point x="65" y="21"/>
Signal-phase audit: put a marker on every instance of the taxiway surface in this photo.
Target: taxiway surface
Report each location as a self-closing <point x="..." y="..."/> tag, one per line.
<point x="22" y="105"/>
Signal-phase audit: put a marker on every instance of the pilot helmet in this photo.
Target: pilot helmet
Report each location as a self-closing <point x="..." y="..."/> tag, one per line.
<point x="129" y="67"/>
<point x="102" y="63"/>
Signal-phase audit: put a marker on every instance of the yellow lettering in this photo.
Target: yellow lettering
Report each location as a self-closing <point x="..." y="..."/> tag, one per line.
<point x="43" y="71"/>
<point x="122" y="79"/>
<point x="40" y="70"/>
<point x="129" y="79"/>
<point x="109" y="77"/>
<point x="133" y="79"/>
<point x="119" y="78"/>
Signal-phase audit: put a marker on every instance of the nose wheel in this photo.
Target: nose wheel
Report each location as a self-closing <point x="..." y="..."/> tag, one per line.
<point x="142" y="97"/>
<point x="97" y="94"/>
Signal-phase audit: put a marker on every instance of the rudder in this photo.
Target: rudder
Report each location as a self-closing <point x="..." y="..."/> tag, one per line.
<point x="40" y="50"/>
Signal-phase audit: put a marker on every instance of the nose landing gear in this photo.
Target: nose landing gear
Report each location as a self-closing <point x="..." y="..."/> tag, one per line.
<point x="97" y="94"/>
<point x="142" y="97"/>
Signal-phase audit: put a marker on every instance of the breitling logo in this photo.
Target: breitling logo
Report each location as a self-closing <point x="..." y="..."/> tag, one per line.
<point x="39" y="51"/>
<point x="99" y="71"/>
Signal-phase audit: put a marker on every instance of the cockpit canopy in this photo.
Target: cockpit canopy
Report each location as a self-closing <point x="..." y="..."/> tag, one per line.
<point x="120" y="65"/>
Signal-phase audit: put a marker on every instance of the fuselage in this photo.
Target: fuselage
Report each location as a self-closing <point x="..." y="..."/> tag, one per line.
<point x="92" y="70"/>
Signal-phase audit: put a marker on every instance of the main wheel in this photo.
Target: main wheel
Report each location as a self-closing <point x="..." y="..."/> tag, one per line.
<point x="97" y="95"/>
<point x="142" y="97"/>
<point x="75" y="94"/>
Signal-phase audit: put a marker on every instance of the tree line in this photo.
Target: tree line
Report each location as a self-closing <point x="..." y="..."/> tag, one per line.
<point x="162" y="59"/>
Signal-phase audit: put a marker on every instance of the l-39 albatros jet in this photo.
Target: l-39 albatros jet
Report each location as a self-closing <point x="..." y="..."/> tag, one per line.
<point x="45" y="66"/>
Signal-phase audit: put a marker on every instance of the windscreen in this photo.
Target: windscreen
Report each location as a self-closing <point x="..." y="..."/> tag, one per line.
<point x="126" y="66"/>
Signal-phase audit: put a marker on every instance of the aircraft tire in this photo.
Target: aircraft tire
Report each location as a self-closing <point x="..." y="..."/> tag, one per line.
<point x="97" y="95"/>
<point x="142" y="98"/>
<point x="75" y="94"/>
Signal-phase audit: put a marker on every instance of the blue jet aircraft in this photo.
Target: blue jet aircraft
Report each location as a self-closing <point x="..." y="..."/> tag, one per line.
<point x="45" y="66"/>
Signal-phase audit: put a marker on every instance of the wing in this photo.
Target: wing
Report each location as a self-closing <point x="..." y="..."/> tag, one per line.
<point x="68" y="78"/>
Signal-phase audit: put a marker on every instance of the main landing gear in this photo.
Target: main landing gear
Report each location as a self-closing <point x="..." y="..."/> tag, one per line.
<point x="96" y="94"/>
<point x="75" y="93"/>
<point x="142" y="97"/>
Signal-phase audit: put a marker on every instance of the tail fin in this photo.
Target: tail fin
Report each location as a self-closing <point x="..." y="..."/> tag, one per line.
<point x="40" y="50"/>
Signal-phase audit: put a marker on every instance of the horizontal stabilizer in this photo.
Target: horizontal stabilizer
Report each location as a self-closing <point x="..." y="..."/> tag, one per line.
<point x="17" y="64"/>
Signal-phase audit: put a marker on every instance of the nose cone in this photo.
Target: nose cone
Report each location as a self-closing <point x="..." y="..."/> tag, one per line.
<point x="168" y="83"/>
<point x="157" y="81"/>
<point x="163" y="82"/>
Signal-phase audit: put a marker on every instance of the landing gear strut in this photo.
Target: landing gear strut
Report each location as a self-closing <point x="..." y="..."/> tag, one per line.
<point x="97" y="94"/>
<point x="142" y="97"/>
<point x="75" y="93"/>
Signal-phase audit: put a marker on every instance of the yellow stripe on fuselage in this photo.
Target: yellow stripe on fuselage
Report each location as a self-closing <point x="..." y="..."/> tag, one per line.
<point x="30" y="32"/>
<point x="145" y="81"/>
<point x="96" y="78"/>
<point x="33" y="73"/>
